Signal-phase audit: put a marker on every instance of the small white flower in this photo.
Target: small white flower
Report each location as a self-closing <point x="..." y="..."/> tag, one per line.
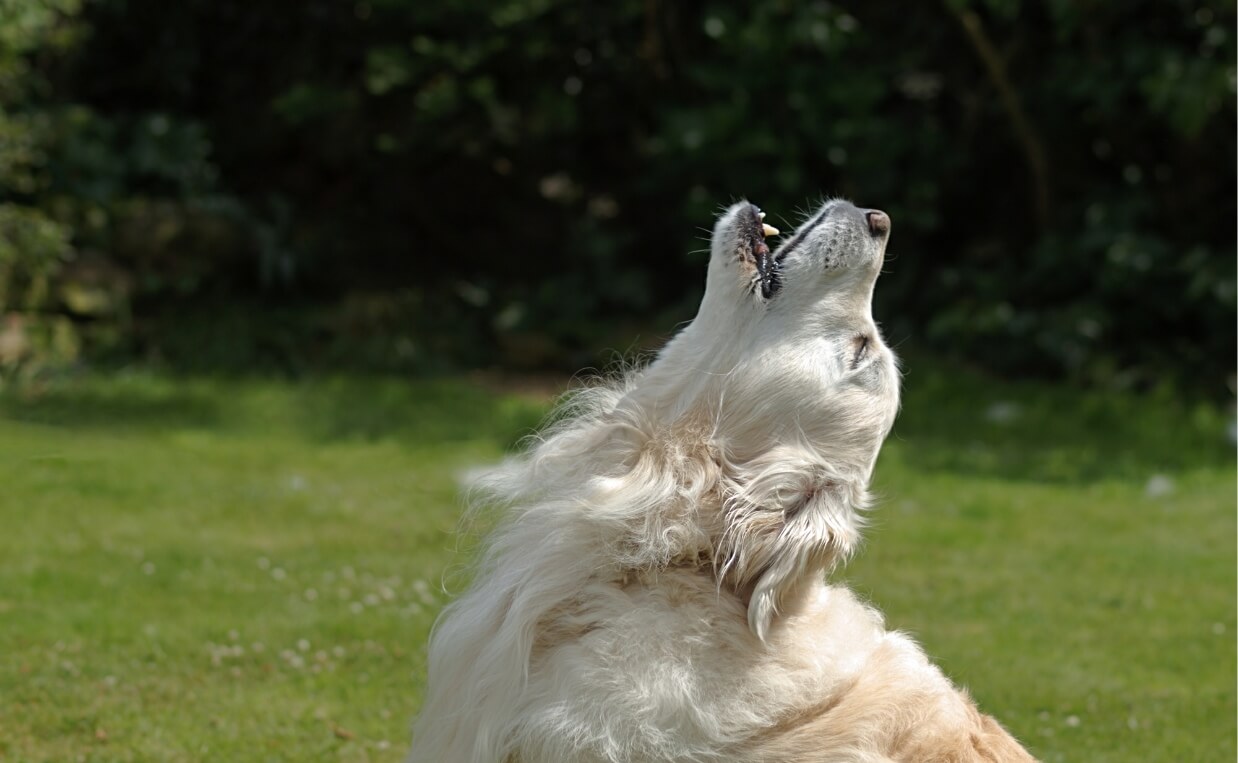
<point x="422" y="589"/>
<point x="1003" y="412"/>
<point x="1158" y="486"/>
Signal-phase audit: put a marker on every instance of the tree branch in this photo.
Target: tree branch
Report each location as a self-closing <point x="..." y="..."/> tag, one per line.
<point x="1025" y="133"/>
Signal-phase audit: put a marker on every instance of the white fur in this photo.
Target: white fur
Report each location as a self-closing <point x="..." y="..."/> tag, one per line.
<point x="655" y="590"/>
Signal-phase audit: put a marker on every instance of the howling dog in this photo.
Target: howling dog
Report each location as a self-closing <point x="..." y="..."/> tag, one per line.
<point x="656" y="589"/>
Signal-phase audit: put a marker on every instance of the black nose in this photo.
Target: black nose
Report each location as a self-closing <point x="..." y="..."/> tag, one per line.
<point x="878" y="222"/>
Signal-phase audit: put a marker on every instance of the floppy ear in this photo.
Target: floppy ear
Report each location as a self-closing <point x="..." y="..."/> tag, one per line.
<point x="785" y="523"/>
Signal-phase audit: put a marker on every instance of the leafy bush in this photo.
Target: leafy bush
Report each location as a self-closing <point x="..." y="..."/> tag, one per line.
<point x="33" y="245"/>
<point x="529" y="179"/>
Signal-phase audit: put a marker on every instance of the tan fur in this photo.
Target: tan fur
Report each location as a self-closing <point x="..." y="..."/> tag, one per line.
<point x="898" y="709"/>
<point x="656" y="590"/>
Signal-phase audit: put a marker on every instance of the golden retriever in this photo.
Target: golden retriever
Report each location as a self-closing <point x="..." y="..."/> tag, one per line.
<point x="657" y="588"/>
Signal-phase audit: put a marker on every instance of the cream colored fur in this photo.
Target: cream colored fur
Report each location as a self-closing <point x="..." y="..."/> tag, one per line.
<point x="656" y="589"/>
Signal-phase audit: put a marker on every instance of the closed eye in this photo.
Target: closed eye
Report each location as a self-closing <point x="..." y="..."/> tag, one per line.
<point x="859" y="349"/>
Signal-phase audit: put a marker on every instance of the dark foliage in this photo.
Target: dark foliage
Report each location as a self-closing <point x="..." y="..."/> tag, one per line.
<point x="407" y="184"/>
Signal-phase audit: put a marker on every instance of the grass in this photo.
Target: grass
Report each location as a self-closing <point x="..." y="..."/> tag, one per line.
<point x="246" y="570"/>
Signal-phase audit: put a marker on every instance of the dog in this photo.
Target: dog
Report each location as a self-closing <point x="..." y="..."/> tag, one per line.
<point x="656" y="589"/>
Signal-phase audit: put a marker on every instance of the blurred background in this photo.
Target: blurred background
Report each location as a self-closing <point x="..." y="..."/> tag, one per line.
<point x="429" y="186"/>
<point x="273" y="274"/>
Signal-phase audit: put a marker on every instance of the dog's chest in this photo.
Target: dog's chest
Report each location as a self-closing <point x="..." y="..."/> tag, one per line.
<point x="667" y="668"/>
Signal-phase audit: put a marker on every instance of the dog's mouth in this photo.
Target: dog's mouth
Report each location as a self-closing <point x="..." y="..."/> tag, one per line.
<point x="767" y="276"/>
<point x="851" y="228"/>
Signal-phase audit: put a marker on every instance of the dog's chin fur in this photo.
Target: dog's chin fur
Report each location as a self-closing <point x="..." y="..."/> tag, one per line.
<point x="655" y="590"/>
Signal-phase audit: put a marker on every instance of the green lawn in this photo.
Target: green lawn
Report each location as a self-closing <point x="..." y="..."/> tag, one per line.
<point x="246" y="570"/>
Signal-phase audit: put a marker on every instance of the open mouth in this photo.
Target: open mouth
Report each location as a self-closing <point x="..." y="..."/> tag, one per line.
<point x="853" y="226"/>
<point x="768" y="274"/>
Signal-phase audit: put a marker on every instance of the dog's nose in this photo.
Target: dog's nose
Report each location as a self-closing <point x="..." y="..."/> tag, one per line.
<point x="878" y="222"/>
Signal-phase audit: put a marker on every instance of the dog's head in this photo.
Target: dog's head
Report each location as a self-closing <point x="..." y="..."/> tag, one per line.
<point x="785" y="373"/>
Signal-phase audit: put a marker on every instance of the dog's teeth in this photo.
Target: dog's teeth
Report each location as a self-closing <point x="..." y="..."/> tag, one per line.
<point x="769" y="230"/>
<point x="761" y="215"/>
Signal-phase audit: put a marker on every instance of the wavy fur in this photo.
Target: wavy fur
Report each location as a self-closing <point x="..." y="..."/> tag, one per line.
<point x="655" y="590"/>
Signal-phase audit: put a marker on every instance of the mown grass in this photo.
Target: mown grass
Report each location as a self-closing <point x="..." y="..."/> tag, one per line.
<point x="242" y="570"/>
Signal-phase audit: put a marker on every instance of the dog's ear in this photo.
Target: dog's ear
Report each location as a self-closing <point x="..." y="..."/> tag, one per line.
<point x="786" y="524"/>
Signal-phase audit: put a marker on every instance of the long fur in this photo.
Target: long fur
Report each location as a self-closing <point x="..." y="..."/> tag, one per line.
<point x="655" y="589"/>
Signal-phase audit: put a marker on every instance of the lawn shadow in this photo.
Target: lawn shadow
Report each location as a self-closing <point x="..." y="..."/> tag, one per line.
<point x="124" y="404"/>
<point x="418" y="413"/>
<point x="959" y="421"/>
<point x="951" y="420"/>
<point x="422" y="412"/>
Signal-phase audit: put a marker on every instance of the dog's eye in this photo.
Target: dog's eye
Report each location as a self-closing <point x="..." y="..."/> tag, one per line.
<point x="859" y="348"/>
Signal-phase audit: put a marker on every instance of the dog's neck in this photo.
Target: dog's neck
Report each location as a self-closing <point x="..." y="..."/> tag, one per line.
<point x="703" y="369"/>
<point x="768" y="394"/>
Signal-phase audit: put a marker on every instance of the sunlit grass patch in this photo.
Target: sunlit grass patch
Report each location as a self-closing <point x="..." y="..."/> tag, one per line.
<point x="247" y="570"/>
